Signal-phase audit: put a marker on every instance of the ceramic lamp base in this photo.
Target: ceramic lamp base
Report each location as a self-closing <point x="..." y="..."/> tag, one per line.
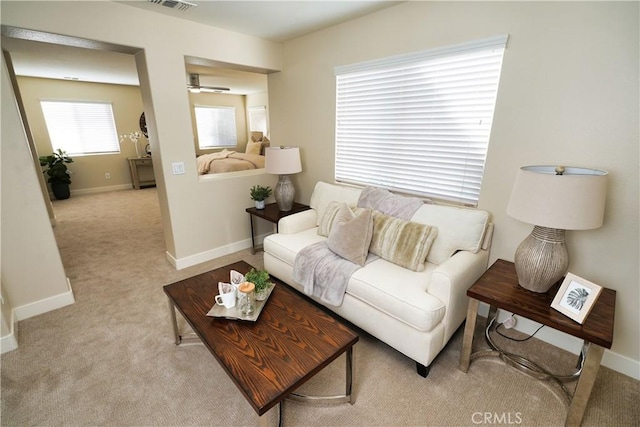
<point x="284" y="193"/>
<point x="541" y="259"/>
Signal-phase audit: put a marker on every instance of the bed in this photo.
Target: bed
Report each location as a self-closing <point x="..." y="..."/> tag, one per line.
<point x="233" y="161"/>
<point x="228" y="161"/>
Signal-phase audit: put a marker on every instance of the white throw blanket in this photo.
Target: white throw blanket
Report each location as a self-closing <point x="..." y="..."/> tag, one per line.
<point x="324" y="274"/>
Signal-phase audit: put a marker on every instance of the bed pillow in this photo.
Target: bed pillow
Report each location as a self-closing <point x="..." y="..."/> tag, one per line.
<point x="265" y="144"/>
<point x="256" y="136"/>
<point x="351" y="234"/>
<point x="253" y="147"/>
<point x="401" y="242"/>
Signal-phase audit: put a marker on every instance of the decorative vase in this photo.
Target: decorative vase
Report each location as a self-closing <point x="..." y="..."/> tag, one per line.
<point x="259" y="204"/>
<point x="60" y="190"/>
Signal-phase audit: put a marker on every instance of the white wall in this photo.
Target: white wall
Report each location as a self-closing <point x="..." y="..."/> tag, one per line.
<point x="568" y="95"/>
<point x="31" y="263"/>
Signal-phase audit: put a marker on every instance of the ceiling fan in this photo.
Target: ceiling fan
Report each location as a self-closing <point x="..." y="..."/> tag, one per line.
<point x="194" y="86"/>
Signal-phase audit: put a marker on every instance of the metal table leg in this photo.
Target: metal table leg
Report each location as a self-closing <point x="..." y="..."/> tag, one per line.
<point x="585" y="384"/>
<point x="348" y="397"/>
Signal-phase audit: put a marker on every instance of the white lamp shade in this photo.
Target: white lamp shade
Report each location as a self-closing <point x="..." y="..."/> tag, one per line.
<point x="282" y="160"/>
<point x="574" y="200"/>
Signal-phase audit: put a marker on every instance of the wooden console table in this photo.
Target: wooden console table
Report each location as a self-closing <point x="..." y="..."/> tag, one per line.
<point x="499" y="288"/>
<point x="141" y="172"/>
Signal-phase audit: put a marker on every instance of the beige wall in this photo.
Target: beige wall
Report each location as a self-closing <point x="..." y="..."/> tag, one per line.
<point x="88" y="171"/>
<point x="568" y="95"/>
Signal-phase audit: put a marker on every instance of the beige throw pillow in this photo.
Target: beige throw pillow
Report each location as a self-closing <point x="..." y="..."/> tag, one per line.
<point x="329" y="216"/>
<point x="253" y="148"/>
<point x="351" y="234"/>
<point x="401" y="242"/>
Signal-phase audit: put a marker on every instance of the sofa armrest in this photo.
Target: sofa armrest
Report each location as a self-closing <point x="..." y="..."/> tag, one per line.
<point x="450" y="281"/>
<point x="298" y="222"/>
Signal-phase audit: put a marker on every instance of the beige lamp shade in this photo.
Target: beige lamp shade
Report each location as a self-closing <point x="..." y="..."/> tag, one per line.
<point x="282" y="160"/>
<point x="553" y="199"/>
<point x="574" y="200"/>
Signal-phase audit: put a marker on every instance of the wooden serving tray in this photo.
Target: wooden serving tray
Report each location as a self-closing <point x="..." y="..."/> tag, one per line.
<point x="234" y="312"/>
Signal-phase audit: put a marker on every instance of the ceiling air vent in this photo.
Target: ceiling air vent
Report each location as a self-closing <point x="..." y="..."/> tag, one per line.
<point x="174" y="4"/>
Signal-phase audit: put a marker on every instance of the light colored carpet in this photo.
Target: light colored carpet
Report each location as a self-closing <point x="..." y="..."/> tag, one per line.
<point x="109" y="359"/>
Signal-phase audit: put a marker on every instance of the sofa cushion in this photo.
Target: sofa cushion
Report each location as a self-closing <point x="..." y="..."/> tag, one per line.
<point x="458" y="229"/>
<point x="287" y="246"/>
<point x="350" y="234"/>
<point x="398" y="292"/>
<point x="325" y="193"/>
<point x="402" y="242"/>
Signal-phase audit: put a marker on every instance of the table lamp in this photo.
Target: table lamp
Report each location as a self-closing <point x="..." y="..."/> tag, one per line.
<point x="553" y="199"/>
<point x="283" y="161"/>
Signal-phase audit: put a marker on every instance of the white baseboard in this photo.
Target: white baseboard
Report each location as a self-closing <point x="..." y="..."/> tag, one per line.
<point x="189" y="261"/>
<point x="10" y="341"/>
<point x="45" y="305"/>
<point x="611" y="360"/>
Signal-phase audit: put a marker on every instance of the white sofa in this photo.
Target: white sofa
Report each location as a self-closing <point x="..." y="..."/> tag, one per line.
<point x="414" y="312"/>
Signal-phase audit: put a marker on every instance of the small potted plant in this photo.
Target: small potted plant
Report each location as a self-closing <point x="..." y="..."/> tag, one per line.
<point x="260" y="278"/>
<point x="259" y="194"/>
<point x="59" y="174"/>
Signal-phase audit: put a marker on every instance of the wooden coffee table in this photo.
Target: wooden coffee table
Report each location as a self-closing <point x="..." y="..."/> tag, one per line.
<point x="270" y="358"/>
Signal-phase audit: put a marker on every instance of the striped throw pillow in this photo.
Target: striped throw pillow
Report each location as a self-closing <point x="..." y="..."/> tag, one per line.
<point x="401" y="242"/>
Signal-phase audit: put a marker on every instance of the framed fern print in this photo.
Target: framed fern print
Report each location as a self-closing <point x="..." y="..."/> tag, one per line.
<point x="576" y="297"/>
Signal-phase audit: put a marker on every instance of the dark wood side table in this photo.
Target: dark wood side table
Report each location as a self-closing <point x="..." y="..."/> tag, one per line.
<point x="271" y="213"/>
<point x="499" y="288"/>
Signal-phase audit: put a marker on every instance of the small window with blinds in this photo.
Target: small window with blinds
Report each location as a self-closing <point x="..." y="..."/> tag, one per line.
<point x="81" y="128"/>
<point x="419" y="123"/>
<point x="216" y="127"/>
<point x="258" y="119"/>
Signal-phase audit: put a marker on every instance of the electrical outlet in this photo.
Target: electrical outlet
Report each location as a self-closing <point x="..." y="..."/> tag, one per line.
<point x="107" y="175"/>
<point x="178" y="168"/>
<point x="510" y="322"/>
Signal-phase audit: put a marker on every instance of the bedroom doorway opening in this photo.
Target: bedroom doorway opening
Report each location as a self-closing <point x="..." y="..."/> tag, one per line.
<point x="229" y="107"/>
<point x="31" y="59"/>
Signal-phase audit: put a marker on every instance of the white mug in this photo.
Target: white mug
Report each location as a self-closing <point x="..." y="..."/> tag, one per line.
<point x="227" y="295"/>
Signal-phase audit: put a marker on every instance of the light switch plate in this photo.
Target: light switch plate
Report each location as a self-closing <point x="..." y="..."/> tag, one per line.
<point x="178" y="168"/>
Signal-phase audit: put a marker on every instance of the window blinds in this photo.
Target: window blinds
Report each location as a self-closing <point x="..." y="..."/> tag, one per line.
<point x="81" y="127"/>
<point x="258" y="119"/>
<point x="419" y="123"/>
<point x="216" y="127"/>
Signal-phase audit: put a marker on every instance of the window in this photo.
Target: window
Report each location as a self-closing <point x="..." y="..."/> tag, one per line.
<point x="419" y="123"/>
<point x="80" y="127"/>
<point x="258" y="119"/>
<point x="216" y="127"/>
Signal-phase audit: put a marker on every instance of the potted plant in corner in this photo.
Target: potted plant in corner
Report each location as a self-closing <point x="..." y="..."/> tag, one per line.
<point x="59" y="174"/>
<point x="259" y="194"/>
<point x="260" y="278"/>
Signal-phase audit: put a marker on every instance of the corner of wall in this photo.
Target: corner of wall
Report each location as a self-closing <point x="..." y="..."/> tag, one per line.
<point x="9" y="342"/>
